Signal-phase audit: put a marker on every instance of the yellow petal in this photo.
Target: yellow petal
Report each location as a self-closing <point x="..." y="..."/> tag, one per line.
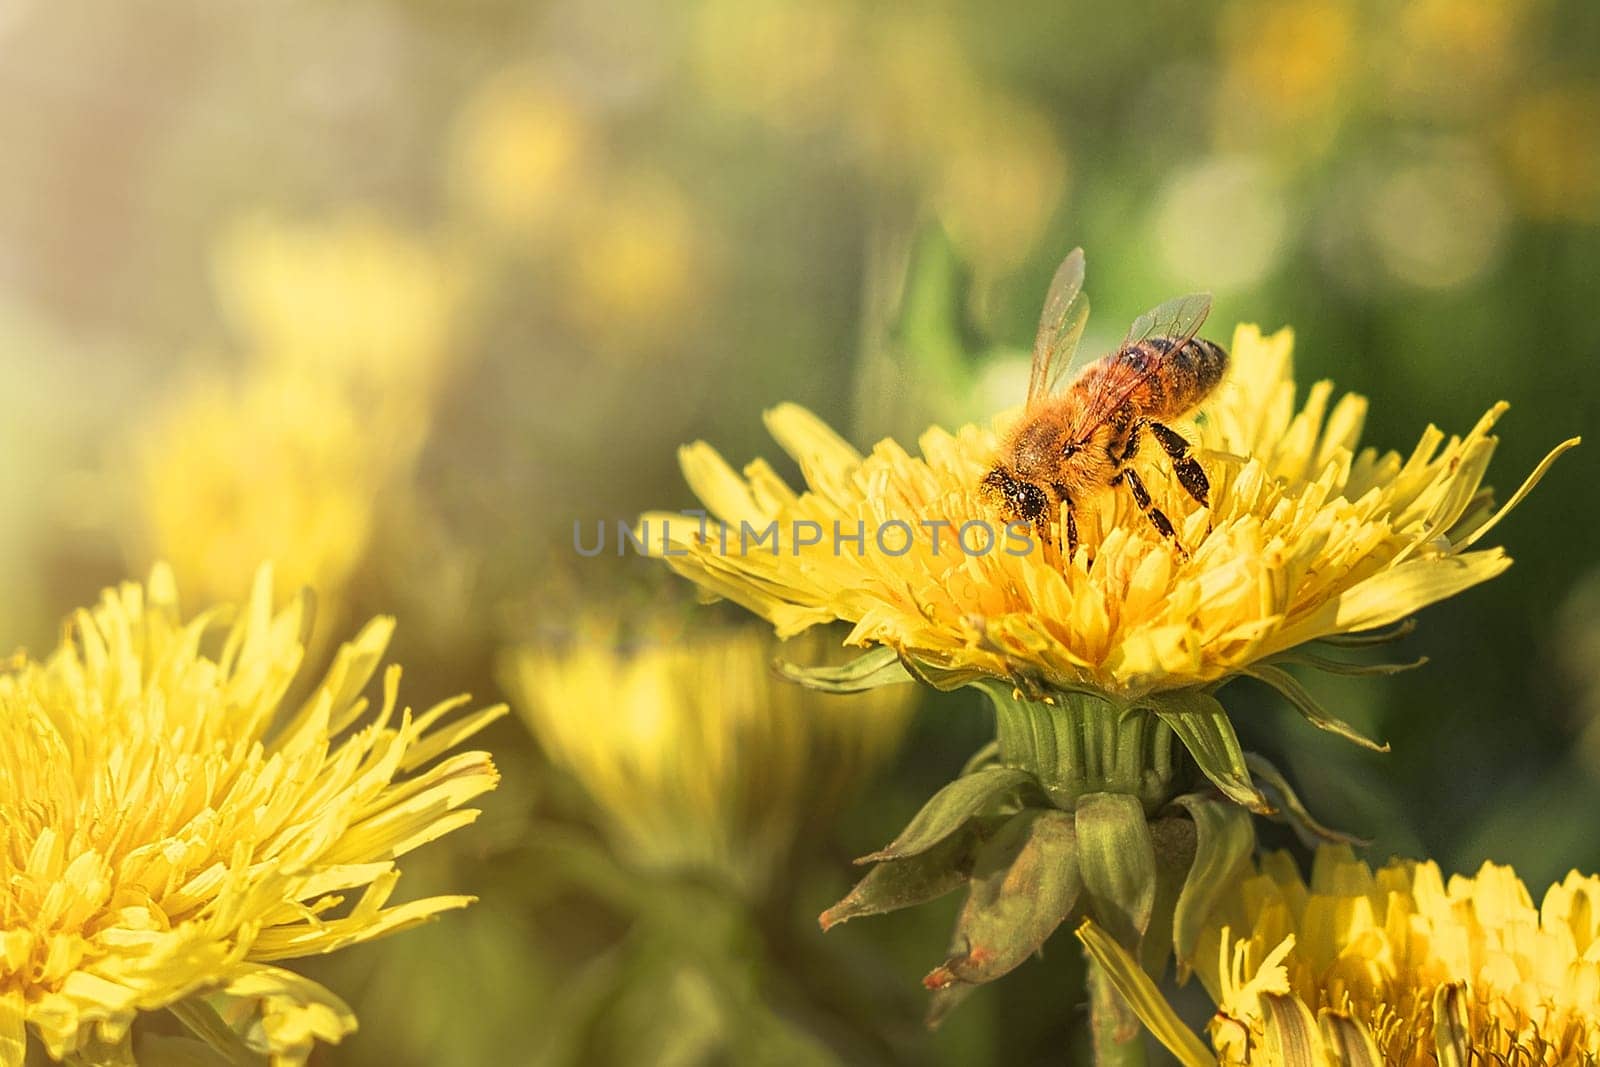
<point x="1142" y="995"/>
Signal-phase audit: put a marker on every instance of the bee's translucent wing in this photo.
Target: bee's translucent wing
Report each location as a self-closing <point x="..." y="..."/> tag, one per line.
<point x="1179" y="318"/>
<point x="1066" y="311"/>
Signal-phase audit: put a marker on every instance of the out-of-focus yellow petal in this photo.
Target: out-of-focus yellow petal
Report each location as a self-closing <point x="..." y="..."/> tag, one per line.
<point x="698" y="754"/>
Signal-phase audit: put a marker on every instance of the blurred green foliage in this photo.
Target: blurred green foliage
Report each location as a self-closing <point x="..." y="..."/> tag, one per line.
<point x="667" y="218"/>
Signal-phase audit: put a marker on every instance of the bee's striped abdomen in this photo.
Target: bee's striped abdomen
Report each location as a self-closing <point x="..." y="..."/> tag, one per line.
<point x="1177" y="378"/>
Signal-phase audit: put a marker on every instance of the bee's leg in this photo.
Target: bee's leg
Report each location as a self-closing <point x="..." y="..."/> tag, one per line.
<point x="1186" y="467"/>
<point x="1141" y="497"/>
<point x="1068" y="518"/>
<point x="1130" y="449"/>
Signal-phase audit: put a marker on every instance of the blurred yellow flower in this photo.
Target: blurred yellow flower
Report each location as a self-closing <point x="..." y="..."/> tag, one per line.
<point x="904" y="93"/>
<point x="1448" y="56"/>
<point x="174" y="826"/>
<point x="998" y="177"/>
<point x="1292" y="56"/>
<point x="1284" y="65"/>
<point x="642" y="260"/>
<point x="1305" y="538"/>
<point x="990" y="165"/>
<point x="1396" y="967"/>
<point x="697" y="753"/>
<point x="278" y="468"/>
<point x="519" y="148"/>
<point x="1552" y="146"/>
<point x="916" y="72"/>
<point x="792" y="65"/>
<point x="349" y="330"/>
<point x="355" y="302"/>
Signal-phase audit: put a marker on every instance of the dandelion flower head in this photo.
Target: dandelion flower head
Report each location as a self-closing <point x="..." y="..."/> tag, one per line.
<point x="1308" y="535"/>
<point x="1404" y="967"/>
<point x="173" y="825"/>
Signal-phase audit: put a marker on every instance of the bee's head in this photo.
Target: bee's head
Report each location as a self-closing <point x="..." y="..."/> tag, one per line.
<point x="1020" y="499"/>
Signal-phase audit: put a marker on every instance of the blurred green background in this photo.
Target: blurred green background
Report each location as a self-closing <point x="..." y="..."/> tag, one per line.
<point x="397" y="292"/>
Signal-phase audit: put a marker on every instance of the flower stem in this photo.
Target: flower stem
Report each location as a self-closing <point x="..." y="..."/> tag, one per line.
<point x="1118" y="1037"/>
<point x="202" y="1020"/>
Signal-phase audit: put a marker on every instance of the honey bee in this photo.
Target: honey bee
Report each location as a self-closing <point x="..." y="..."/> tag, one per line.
<point x="1070" y="446"/>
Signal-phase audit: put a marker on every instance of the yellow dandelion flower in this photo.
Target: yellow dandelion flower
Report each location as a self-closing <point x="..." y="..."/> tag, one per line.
<point x="1307" y="536"/>
<point x="276" y="469"/>
<point x="357" y="302"/>
<point x="1286" y="61"/>
<point x="174" y="826"/>
<point x="519" y="149"/>
<point x="1397" y="966"/>
<point x="698" y="755"/>
<point x="1454" y="56"/>
<point x="644" y="259"/>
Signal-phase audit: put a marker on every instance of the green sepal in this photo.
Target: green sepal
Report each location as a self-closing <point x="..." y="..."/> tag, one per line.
<point x="944" y="679"/>
<point x="1202" y="725"/>
<point x="941" y="1002"/>
<point x="1117" y="859"/>
<point x="1025" y="884"/>
<point x="881" y="666"/>
<point x="1036" y="689"/>
<point x="1306" y="658"/>
<point x="1225" y="838"/>
<point x="201" y="1019"/>
<point x="1314" y="713"/>
<point x="987" y="756"/>
<point x="1369" y="638"/>
<point x="1291" y="811"/>
<point x="949" y="809"/>
<point x="1174" y="840"/>
<point x="903" y="883"/>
